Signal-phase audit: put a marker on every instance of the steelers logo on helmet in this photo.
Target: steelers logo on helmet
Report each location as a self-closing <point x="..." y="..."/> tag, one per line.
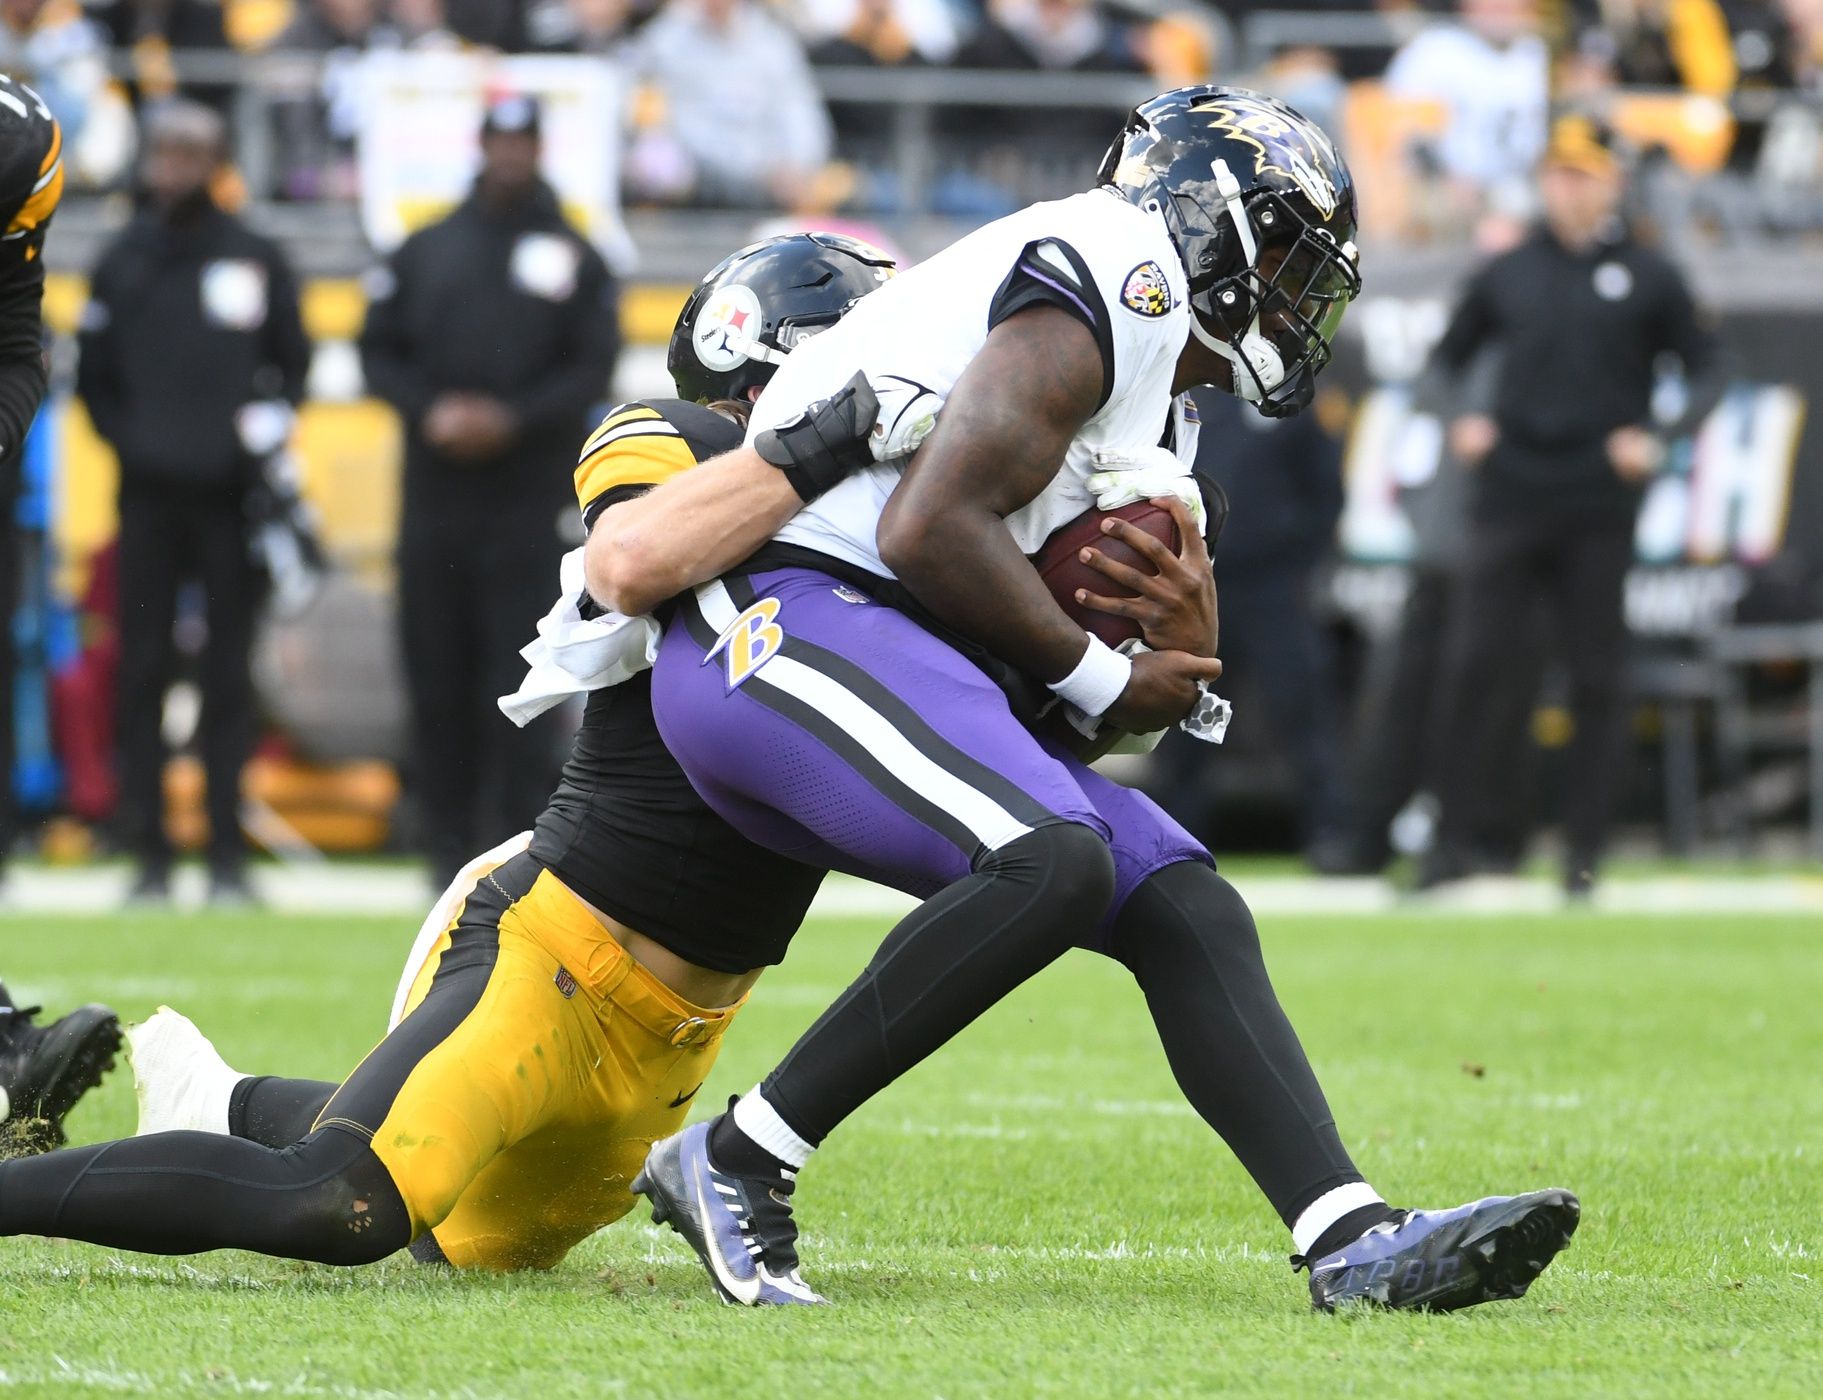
<point x="728" y="327"/>
<point x="1146" y="291"/>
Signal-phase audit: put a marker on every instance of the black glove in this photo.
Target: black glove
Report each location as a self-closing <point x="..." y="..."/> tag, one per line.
<point x="826" y="441"/>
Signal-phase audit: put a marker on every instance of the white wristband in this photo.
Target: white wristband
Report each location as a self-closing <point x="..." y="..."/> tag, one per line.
<point x="1098" y="679"/>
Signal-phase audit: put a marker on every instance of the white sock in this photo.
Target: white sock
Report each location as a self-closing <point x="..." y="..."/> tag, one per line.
<point x="760" y="1121"/>
<point x="217" y="1095"/>
<point x="1328" y="1208"/>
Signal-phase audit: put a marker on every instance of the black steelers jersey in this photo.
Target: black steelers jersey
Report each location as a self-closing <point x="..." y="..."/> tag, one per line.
<point x="31" y="171"/>
<point x="31" y="182"/>
<point x="624" y="829"/>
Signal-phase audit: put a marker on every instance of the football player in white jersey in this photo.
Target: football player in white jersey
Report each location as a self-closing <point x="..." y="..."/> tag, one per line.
<point x="830" y="697"/>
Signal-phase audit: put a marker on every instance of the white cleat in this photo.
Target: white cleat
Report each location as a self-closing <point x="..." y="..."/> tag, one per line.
<point x="182" y="1083"/>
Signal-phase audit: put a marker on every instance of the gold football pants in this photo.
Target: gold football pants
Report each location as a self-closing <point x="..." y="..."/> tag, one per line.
<point x="531" y="1064"/>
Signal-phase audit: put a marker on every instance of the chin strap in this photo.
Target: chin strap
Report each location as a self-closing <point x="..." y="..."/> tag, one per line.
<point x="1258" y="368"/>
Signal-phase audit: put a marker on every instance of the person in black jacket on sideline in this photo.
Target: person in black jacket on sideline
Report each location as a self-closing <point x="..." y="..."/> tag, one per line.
<point x="493" y="333"/>
<point x="192" y="348"/>
<point x="1581" y="314"/>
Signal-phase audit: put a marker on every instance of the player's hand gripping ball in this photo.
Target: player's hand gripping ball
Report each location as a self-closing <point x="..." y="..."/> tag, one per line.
<point x="1059" y="564"/>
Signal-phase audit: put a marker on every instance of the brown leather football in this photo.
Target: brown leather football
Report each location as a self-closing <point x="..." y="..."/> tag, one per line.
<point x="1064" y="573"/>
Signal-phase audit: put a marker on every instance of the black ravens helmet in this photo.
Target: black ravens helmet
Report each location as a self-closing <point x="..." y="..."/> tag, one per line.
<point x="1262" y="210"/>
<point x="753" y="307"/>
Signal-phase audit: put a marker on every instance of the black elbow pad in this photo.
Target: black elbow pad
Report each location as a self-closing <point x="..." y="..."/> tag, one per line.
<point x="826" y="441"/>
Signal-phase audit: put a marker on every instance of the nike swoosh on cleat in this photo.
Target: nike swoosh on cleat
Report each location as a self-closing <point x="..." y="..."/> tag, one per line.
<point x="683" y="1099"/>
<point x="743" y="1291"/>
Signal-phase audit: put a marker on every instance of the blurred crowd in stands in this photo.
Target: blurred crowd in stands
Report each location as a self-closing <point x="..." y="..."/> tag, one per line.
<point x="1444" y="108"/>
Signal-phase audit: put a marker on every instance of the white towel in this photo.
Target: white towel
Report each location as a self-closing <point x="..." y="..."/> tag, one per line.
<point x="571" y="655"/>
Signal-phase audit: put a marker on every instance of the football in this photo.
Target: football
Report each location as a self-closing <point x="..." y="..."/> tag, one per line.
<point x="1063" y="572"/>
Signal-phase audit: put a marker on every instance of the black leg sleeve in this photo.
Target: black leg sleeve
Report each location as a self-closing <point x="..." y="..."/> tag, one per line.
<point x="327" y="1199"/>
<point x="277" y="1112"/>
<point x="1189" y="938"/>
<point x="946" y="962"/>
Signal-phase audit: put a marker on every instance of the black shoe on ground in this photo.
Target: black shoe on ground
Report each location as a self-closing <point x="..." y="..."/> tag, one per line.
<point x="230" y="889"/>
<point x="1438" y="1261"/>
<point x="1440" y="865"/>
<point x="1579" y="880"/>
<point x="44" y="1070"/>
<point x="151" y="888"/>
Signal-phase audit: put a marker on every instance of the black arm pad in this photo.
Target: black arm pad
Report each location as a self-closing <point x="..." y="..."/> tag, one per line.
<point x="826" y="441"/>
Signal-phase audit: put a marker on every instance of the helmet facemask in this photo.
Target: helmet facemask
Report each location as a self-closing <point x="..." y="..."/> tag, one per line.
<point x="1275" y="318"/>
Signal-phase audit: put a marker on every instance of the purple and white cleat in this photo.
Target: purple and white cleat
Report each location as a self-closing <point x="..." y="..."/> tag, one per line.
<point x="739" y="1226"/>
<point x="1441" y="1260"/>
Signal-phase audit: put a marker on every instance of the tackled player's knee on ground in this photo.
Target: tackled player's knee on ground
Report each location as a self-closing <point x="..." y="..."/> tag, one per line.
<point x="349" y="1212"/>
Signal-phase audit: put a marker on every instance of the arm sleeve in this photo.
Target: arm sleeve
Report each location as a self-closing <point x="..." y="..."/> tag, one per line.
<point x="97" y="370"/>
<point x="580" y="378"/>
<point x="22" y="379"/>
<point x="288" y="346"/>
<point x="634" y="448"/>
<point x="1471" y="326"/>
<point x="388" y="358"/>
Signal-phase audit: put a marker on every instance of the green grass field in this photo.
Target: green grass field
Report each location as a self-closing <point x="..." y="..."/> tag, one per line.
<point x="1036" y="1211"/>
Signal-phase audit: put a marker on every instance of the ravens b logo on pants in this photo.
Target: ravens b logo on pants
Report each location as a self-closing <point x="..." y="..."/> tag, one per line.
<point x="750" y="641"/>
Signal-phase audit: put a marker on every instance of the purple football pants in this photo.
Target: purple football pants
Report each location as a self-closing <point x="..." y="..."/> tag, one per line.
<point x="838" y="731"/>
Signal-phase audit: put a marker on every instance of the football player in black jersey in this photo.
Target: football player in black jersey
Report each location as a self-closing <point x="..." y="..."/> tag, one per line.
<point x="44" y="1070"/>
<point x="568" y="995"/>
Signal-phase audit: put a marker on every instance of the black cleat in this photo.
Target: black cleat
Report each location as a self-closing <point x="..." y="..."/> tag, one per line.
<point x="1441" y="1260"/>
<point x="44" y="1070"/>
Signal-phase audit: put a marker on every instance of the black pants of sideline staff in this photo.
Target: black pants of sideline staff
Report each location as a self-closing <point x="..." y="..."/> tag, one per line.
<point x="1577" y="573"/>
<point x="470" y="595"/>
<point x="168" y="537"/>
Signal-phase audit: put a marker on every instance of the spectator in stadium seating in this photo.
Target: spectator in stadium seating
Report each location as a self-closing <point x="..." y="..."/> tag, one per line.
<point x="418" y="24"/>
<point x="316" y="132"/>
<point x="1580" y="315"/>
<point x="151" y="30"/>
<point x="52" y="48"/>
<point x="324" y="26"/>
<point x="1283" y="481"/>
<point x="1490" y="73"/>
<point x="1665" y="44"/>
<point x="878" y="33"/>
<point x="491" y="24"/>
<point x="493" y="333"/>
<point x="1031" y="143"/>
<point x="739" y="119"/>
<point x="1072" y="36"/>
<point x="191" y="335"/>
<point x="581" y="26"/>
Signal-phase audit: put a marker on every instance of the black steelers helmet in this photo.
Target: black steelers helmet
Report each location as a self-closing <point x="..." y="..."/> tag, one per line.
<point x="754" y="307"/>
<point x="1262" y="210"/>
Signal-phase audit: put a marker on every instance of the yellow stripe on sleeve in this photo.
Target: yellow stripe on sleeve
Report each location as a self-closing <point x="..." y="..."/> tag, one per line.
<point x="41" y="203"/>
<point x="618" y="418"/>
<point x="642" y="459"/>
<point x="55" y="150"/>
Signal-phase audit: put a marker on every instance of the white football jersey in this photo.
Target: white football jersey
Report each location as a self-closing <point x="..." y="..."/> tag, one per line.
<point x="1105" y="258"/>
